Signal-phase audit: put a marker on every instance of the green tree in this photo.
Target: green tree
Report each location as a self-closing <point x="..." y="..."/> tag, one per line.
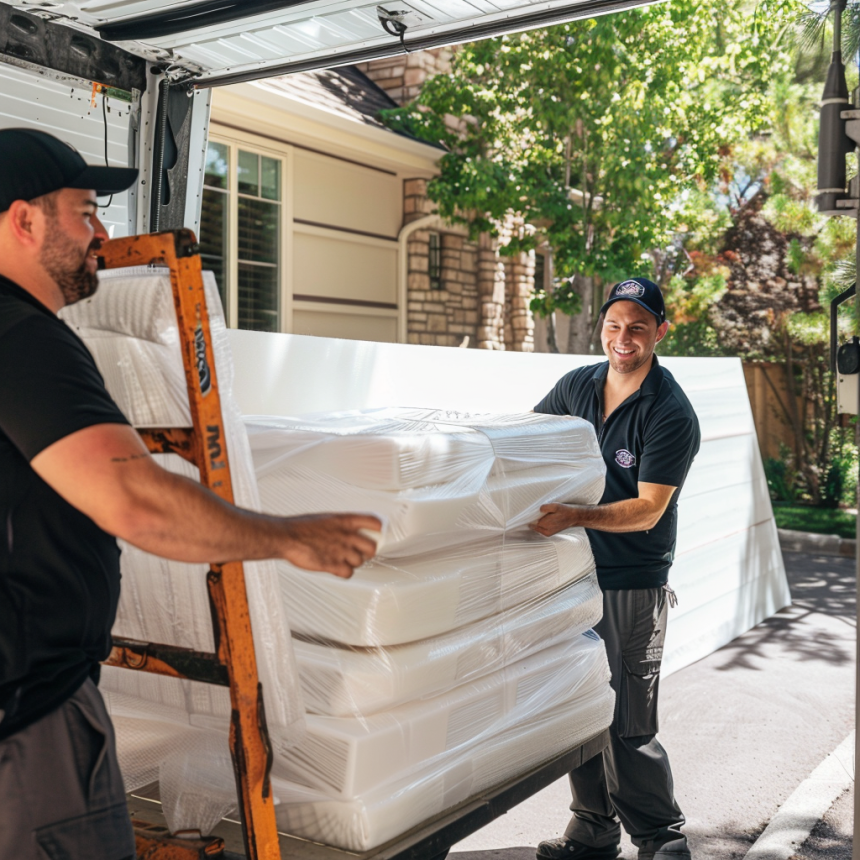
<point x="761" y="289"/>
<point x="598" y="132"/>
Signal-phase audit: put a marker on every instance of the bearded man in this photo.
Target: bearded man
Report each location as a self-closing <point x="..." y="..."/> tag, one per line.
<point x="74" y="476"/>
<point x="648" y="434"/>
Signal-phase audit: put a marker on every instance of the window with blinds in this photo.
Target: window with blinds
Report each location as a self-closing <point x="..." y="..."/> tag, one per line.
<point x="240" y="230"/>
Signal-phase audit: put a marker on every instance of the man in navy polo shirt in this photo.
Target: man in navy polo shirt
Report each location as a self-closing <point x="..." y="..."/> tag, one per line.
<point x="649" y="435"/>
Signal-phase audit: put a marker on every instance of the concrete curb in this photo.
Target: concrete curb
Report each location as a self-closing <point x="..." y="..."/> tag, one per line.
<point x="792" y="541"/>
<point x="794" y="820"/>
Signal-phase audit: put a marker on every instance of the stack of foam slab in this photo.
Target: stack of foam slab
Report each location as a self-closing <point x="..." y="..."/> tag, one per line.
<point x="462" y="653"/>
<point x="454" y="660"/>
<point x="340" y="681"/>
<point x="457" y="744"/>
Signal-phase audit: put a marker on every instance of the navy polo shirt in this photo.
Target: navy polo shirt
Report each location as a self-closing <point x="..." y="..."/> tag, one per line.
<point x="652" y="437"/>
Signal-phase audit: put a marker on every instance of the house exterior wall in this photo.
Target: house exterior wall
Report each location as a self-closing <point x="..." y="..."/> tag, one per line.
<point x="342" y="210"/>
<point x="349" y="193"/>
<point x="483" y="297"/>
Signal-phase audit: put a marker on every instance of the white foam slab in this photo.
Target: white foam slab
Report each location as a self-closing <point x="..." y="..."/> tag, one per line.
<point x="381" y="815"/>
<point x="361" y="681"/>
<point x="391" y="601"/>
<point x="398" y="448"/>
<point x="347" y="756"/>
<point x="527" y="461"/>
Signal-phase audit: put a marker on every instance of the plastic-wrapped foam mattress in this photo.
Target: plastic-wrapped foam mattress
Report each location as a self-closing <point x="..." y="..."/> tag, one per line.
<point x="339" y="681"/>
<point x="534" y="735"/>
<point x="130" y="327"/>
<point x="347" y="756"/>
<point x="403" y="448"/>
<point x="498" y="472"/>
<point x="389" y="601"/>
<point x="468" y="741"/>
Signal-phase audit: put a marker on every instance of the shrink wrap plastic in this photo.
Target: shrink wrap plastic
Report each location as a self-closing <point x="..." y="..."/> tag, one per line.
<point x="389" y="601"/>
<point x="456" y="659"/>
<point x="338" y="681"/>
<point x="474" y="737"/>
<point x="496" y="473"/>
<point x="348" y="756"/>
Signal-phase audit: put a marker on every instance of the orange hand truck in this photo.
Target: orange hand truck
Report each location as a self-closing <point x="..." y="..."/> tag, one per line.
<point x="234" y="663"/>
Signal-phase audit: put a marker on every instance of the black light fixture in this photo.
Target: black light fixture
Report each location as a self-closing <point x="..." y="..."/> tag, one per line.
<point x="833" y="142"/>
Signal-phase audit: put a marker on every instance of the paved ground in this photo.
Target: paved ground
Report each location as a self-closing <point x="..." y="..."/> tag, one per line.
<point x="743" y="727"/>
<point x="832" y="838"/>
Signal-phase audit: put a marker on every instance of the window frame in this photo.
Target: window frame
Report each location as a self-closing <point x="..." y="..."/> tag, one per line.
<point x="236" y="140"/>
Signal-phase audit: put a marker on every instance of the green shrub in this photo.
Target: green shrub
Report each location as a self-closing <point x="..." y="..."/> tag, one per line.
<point x="781" y="480"/>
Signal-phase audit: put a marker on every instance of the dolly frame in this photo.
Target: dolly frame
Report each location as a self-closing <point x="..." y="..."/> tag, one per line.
<point x="234" y="662"/>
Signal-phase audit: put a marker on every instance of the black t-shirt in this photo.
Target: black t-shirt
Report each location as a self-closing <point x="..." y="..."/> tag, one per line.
<point x="652" y="437"/>
<point x="59" y="572"/>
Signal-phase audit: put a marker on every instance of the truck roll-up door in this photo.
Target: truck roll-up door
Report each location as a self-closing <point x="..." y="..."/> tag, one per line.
<point x="64" y="106"/>
<point x="217" y="42"/>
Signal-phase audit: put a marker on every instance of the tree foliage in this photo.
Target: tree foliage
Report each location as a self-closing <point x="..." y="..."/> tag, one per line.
<point x="598" y="132"/>
<point x="779" y="263"/>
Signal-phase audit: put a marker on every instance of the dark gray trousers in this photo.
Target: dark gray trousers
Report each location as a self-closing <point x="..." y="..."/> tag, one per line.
<point x="61" y="791"/>
<point x="631" y="781"/>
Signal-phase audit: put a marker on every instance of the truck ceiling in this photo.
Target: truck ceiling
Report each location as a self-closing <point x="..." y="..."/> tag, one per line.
<point x="218" y="42"/>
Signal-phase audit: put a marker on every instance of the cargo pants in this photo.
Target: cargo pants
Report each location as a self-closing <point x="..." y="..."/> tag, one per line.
<point x="61" y="791"/>
<point x="631" y="782"/>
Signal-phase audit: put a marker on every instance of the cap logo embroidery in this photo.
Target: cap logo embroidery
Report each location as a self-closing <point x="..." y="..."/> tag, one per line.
<point x="625" y="459"/>
<point x="630" y="288"/>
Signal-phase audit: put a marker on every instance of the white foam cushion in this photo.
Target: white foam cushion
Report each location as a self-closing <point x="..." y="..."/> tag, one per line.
<point x="352" y="681"/>
<point x="389" y="601"/>
<point x="424" y="519"/>
<point x="501" y="469"/>
<point x="379" y="815"/>
<point x="403" y="448"/>
<point x="348" y="756"/>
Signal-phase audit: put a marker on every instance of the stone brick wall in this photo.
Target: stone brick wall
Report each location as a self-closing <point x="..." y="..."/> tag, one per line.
<point x="484" y="297"/>
<point x="491" y="288"/>
<point x="403" y="76"/>
<point x="447" y="316"/>
<point x="519" y="320"/>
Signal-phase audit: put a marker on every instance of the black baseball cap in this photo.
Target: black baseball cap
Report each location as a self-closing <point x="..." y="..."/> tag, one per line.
<point x="643" y="292"/>
<point x="33" y="163"/>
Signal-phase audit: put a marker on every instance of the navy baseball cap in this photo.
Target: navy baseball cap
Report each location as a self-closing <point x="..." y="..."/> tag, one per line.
<point x="643" y="292"/>
<point x="34" y="163"/>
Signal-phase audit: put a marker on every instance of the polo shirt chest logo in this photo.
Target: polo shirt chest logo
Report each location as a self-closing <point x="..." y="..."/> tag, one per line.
<point x="625" y="459"/>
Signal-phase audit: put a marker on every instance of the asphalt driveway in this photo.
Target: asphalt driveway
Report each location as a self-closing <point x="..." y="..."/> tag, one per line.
<point x="743" y="727"/>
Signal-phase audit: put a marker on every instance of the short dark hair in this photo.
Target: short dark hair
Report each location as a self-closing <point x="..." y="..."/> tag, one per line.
<point x="47" y="203"/>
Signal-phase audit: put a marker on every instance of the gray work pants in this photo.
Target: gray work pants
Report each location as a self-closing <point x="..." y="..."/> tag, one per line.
<point x="631" y="781"/>
<point x="61" y="791"/>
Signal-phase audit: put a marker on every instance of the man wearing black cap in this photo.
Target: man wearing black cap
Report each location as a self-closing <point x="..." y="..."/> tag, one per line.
<point x="73" y="476"/>
<point x="649" y="435"/>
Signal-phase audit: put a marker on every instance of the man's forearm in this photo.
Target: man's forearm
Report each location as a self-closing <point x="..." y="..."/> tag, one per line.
<point x="630" y="515"/>
<point x="106" y="473"/>
<point x="175" y="517"/>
